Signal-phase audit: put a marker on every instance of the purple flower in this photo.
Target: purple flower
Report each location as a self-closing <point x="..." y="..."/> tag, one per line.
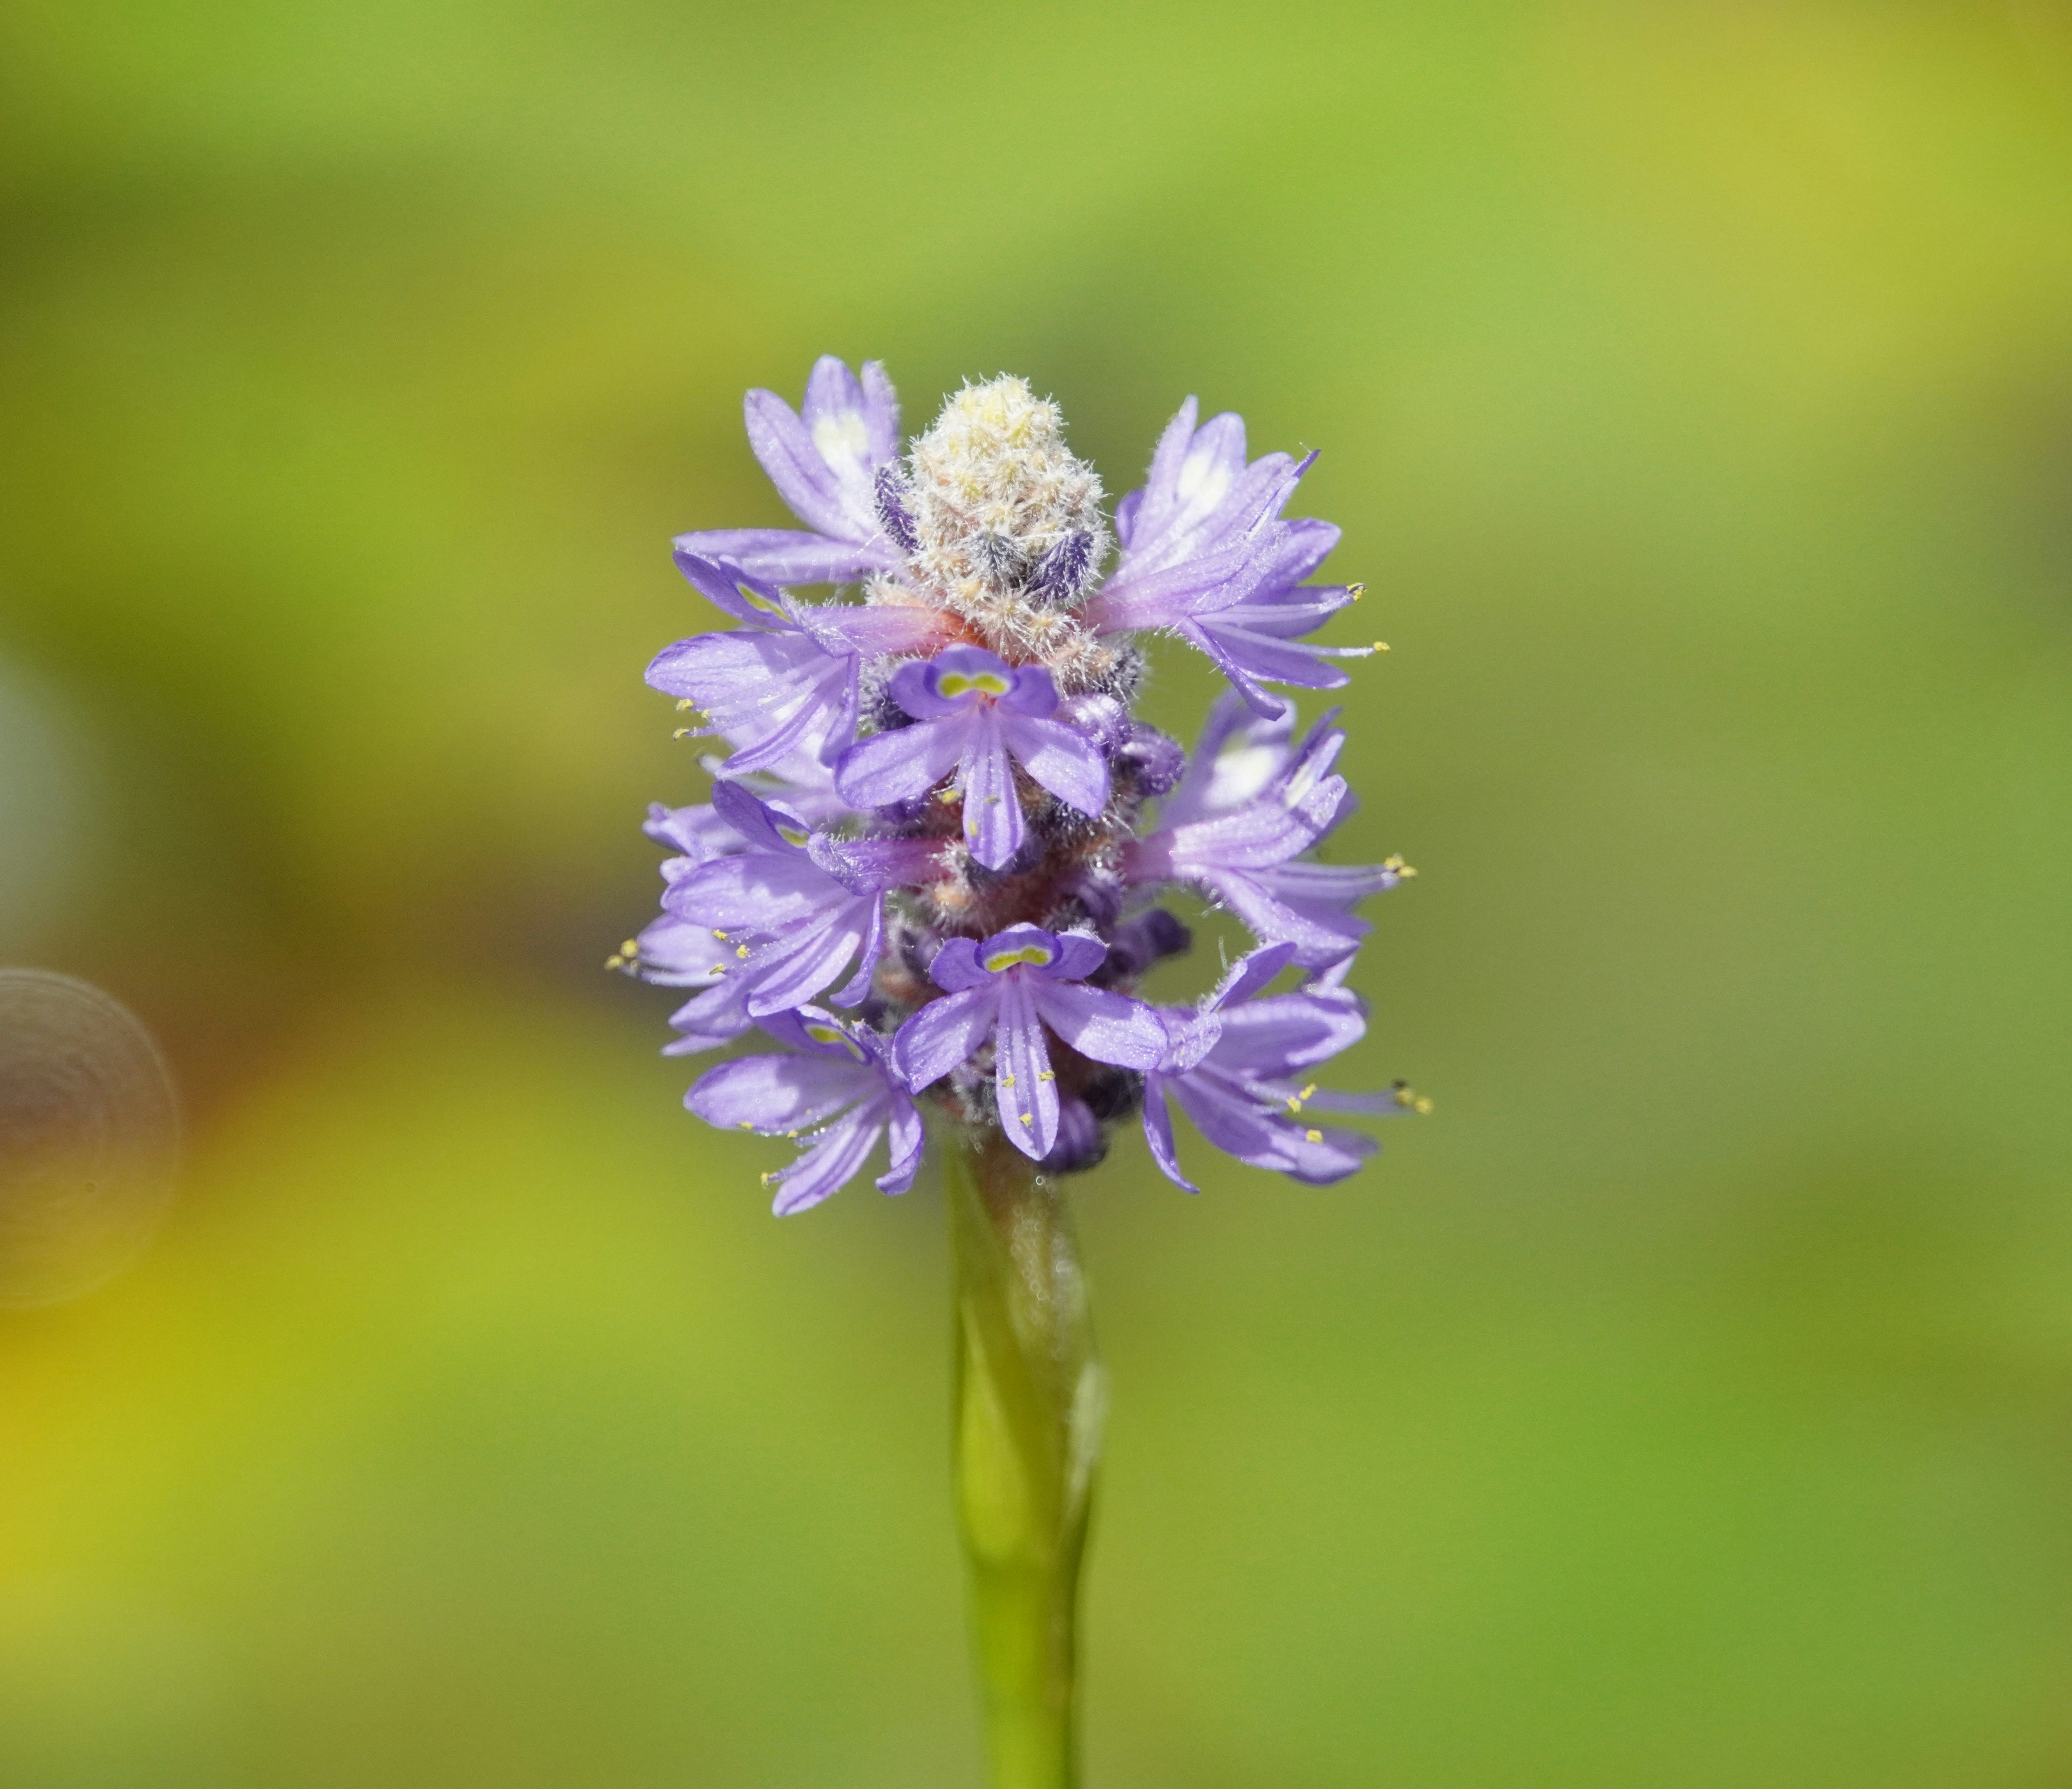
<point x="825" y="462"/>
<point x="1206" y="556"/>
<point x="1235" y="1066"/>
<point x="1260" y="806"/>
<point x="978" y="716"/>
<point x="831" y="1090"/>
<point x="789" y="909"/>
<point x="1008" y="988"/>
<point x="785" y="681"/>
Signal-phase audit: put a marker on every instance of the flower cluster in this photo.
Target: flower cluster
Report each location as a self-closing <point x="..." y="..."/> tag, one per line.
<point x="937" y="813"/>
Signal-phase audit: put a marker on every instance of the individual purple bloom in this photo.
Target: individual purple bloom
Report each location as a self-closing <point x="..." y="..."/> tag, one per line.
<point x="976" y="716"/>
<point x="1235" y="1067"/>
<point x="1008" y="988"/>
<point x="1242" y="851"/>
<point x="1206" y="556"/>
<point x="832" y="1091"/>
<point x="824" y="461"/>
<point x="791" y="908"/>
<point x="785" y="681"/>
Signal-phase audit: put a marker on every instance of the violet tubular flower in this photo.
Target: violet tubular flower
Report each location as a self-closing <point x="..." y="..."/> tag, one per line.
<point x="936" y="810"/>
<point x="824" y="459"/>
<point x="1237" y="1066"/>
<point x="790" y="909"/>
<point x="1239" y="835"/>
<point x="785" y="681"/>
<point x="831" y="1091"/>
<point x="1207" y="556"/>
<point x="977" y="717"/>
<point x="1007" y="990"/>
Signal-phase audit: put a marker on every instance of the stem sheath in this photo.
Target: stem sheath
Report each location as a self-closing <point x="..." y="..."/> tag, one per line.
<point x="1029" y="1401"/>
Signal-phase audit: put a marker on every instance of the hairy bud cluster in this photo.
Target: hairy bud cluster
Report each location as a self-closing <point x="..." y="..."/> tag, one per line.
<point x="938" y="812"/>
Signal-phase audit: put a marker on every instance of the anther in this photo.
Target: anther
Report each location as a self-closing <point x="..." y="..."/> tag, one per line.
<point x="740" y="950"/>
<point x="683" y="702"/>
<point x="1381" y="646"/>
<point x="1357" y="591"/>
<point x="1313" y="1137"/>
<point x="1027" y="1119"/>
<point x="1045" y="1075"/>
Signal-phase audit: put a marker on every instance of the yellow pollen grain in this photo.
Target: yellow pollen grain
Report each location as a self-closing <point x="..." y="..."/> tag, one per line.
<point x="1027" y="1119"/>
<point x="1045" y="1075"/>
<point x="1007" y="1081"/>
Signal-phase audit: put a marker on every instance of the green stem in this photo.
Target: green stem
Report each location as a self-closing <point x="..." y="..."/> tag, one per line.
<point x="1030" y="1399"/>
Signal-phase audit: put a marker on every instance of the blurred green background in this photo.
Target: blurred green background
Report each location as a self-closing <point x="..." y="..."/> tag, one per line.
<point x="1689" y="1402"/>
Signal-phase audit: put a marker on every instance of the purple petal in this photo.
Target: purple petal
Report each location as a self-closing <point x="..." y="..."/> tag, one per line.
<point x="872" y="629"/>
<point x="1023" y="1082"/>
<point x="868" y="951"/>
<point x="765" y="825"/>
<point x="698" y="832"/>
<point x="943" y="1034"/>
<point x="829" y="1162"/>
<point x="1067" y="764"/>
<point x="1248" y="975"/>
<point x="746" y="598"/>
<point x="890" y="768"/>
<point x="907" y="1139"/>
<point x="956" y="967"/>
<point x="768" y="692"/>
<point x="674" y="952"/>
<point x="985" y="777"/>
<point x="785" y="556"/>
<point x="1108" y="1026"/>
<point x="838" y="420"/>
<point x="801" y="963"/>
<point x="872" y="866"/>
<point x="804" y="480"/>
<point x="1275" y="1036"/>
<point x="756" y="891"/>
<point x="777" y="1093"/>
<point x="1079" y="954"/>
<point x="1031" y="692"/>
<point x="880" y="411"/>
<point x="1158" y="1134"/>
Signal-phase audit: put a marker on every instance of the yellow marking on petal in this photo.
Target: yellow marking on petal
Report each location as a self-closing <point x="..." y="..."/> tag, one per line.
<point x="758" y="600"/>
<point x="954" y="684"/>
<point x="1001" y="961"/>
<point x="792" y="835"/>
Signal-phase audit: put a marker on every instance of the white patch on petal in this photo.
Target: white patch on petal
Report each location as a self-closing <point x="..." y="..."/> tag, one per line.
<point x="1203" y="479"/>
<point x="1240" y="774"/>
<point x="843" y="436"/>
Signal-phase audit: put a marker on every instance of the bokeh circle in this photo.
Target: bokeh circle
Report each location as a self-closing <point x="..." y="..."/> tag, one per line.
<point x="89" y="1136"/>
